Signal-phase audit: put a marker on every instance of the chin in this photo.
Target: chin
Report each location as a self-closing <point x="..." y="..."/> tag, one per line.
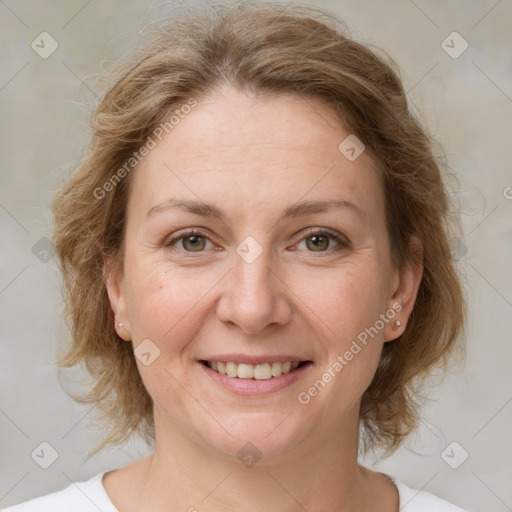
<point x="258" y="437"/>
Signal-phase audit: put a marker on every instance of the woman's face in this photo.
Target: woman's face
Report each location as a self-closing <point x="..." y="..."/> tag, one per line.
<point x="257" y="282"/>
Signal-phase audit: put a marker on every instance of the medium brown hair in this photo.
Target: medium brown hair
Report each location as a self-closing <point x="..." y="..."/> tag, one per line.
<point x="266" y="49"/>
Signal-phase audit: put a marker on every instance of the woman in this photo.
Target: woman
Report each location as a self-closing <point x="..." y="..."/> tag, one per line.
<point x="256" y="260"/>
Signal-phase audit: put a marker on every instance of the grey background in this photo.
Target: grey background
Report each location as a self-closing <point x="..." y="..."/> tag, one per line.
<point x="466" y="102"/>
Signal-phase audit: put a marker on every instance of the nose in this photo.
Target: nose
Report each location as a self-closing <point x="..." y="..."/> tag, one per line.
<point x="254" y="296"/>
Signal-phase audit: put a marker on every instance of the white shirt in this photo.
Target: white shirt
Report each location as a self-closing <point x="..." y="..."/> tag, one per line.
<point x="90" y="496"/>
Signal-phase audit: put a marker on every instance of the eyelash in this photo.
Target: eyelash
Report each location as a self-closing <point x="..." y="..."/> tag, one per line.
<point x="342" y="243"/>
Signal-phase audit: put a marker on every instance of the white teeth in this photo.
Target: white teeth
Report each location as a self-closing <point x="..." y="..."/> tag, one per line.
<point x="245" y="371"/>
<point x="263" y="371"/>
<point x="231" y="369"/>
<point x="276" y="369"/>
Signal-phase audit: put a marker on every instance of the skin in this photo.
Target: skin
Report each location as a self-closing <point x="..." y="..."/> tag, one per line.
<point x="253" y="157"/>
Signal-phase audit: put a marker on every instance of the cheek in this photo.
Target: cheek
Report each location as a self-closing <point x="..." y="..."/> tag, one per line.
<point x="348" y="303"/>
<point x="345" y="300"/>
<point x="348" y="308"/>
<point x="164" y="304"/>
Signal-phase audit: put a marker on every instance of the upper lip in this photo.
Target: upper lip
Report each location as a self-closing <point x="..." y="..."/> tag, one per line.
<point x="248" y="359"/>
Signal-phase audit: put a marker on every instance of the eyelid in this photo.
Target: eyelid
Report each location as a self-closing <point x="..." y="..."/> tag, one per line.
<point x="342" y="241"/>
<point x="175" y="237"/>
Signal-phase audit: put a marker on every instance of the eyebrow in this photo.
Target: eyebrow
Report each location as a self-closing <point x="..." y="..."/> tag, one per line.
<point x="295" y="210"/>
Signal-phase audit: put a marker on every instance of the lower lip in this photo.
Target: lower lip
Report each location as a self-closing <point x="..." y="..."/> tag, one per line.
<point x="254" y="386"/>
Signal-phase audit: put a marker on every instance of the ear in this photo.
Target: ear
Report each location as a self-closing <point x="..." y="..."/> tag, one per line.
<point x="405" y="284"/>
<point x="114" y="283"/>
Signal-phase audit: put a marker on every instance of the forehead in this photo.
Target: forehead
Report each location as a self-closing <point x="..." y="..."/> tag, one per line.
<point x="235" y="149"/>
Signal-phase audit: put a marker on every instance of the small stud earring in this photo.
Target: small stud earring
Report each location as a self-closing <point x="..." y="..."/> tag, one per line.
<point x="398" y="324"/>
<point x="120" y="325"/>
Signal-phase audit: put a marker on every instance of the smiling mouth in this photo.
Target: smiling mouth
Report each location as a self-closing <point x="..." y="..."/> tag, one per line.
<point x="263" y="371"/>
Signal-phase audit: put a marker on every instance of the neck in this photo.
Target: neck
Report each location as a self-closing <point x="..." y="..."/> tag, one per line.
<point x="318" y="474"/>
